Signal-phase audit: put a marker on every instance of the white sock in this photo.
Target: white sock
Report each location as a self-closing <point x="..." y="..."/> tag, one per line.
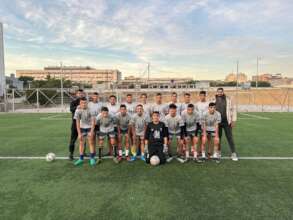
<point x="126" y="153"/>
<point x="120" y="153"/>
<point x="187" y="154"/>
<point x="203" y="154"/>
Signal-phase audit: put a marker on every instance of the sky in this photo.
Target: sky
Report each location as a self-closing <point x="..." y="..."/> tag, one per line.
<point x="202" y="39"/>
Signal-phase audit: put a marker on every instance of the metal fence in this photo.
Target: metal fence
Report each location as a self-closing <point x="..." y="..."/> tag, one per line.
<point x="57" y="100"/>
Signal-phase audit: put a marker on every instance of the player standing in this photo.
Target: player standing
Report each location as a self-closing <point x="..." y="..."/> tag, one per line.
<point x="146" y="106"/>
<point x="190" y="119"/>
<point x="175" y="126"/>
<point x="138" y="124"/>
<point x="123" y="119"/>
<point x="201" y="107"/>
<point x="211" y="121"/>
<point x="85" y="130"/>
<point x="113" y="108"/>
<point x="106" y="123"/>
<point x="74" y="135"/>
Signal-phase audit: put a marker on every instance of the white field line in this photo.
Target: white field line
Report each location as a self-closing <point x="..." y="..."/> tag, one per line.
<point x="255" y="116"/>
<point x="110" y="157"/>
<point x="55" y="117"/>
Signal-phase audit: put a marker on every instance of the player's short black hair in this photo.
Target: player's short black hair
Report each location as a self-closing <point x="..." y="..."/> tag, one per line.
<point x="202" y="92"/>
<point x="186" y="94"/>
<point x="174" y="93"/>
<point x="139" y="105"/>
<point x="79" y="90"/>
<point x="83" y="99"/>
<point x="221" y="88"/>
<point x="144" y="94"/>
<point x="190" y="106"/>
<point x="104" y="109"/>
<point x="159" y="94"/>
<point x="212" y="104"/>
<point x="112" y="96"/>
<point x="95" y="93"/>
<point x="129" y="95"/>
<point x="122" y="106"/>
<point x="156" y="112"/>
<point x="172" y="106"/>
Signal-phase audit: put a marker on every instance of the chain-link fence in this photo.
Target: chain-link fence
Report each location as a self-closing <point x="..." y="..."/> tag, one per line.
<point x="57" y="100"/>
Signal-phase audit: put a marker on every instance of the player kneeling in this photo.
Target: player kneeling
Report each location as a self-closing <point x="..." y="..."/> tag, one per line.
<point x="85" y="129"/>
<point x="190" y="119"/>
<point x="123" y="119"/>
<point x="156" y="139"/>
<point x="106" y="123"/>
<point x="211" y="120"/>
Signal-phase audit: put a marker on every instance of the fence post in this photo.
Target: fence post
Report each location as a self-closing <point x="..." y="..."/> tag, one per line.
<point x="13" y="101"/>
<point x="38" y="103"/>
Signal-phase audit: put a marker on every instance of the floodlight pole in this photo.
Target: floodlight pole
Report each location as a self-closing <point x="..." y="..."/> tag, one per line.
<point x="61" y="84"/>
<point x="237" y="83"/>
<point x="257" y="71"/>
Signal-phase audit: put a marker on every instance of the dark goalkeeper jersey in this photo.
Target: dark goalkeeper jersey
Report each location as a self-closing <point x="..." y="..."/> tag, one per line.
<point x="155" y="133"/>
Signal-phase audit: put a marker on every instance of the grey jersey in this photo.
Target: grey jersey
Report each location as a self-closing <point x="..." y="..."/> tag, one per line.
<point x="201" y="108"/>
<point x="190" y="120"/>
<point x="84" y="116"/>
<point x="130" y="108"/>
<point x="106" y="124"/>
<point x="174" y="123"/>
<point x="95" y="107"/>
<point x="139" y="123"/>
<point x="113" y="109"/>
<point x="211" y="120"/>
<point x="123" y="121"/>
<point x="161" y="108"/>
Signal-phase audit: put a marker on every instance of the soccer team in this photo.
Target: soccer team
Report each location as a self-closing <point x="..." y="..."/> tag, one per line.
<point x="148" y="129"/>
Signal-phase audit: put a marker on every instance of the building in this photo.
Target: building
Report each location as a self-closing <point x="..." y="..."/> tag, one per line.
<point x="267" y="77"/>
<point x="161" y="80"/>
<point x="85" y="75"/>
<point x="13" y="82"/>
<point x="232" y="77"/>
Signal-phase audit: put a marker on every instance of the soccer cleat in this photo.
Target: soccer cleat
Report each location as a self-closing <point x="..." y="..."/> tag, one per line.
<point x="133" y="158"/>
<point x="128" y="158"/>
<point x="92" y="162"/>
<point x="197" y="160"/>
<point x="99" y="161"/>
<point x="169" y="159"/>
<point x="119" y="158"/>
<point x="180" y="160"/>
<point x="234" y="157"/>
<point x="218" y="160"/>
<point x="115" y="159"/>
<point x="142" y="157"/>
<point x="78" y="162"/>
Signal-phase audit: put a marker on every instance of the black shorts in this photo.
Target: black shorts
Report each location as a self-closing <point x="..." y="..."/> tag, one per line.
<point x="85" y="131"/>
<point x="198" y="130"/>
<point x="211" y="133"/>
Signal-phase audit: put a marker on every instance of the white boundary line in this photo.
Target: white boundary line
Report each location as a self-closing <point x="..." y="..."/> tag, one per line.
<point x="110" y="157"/>
<point x="254" y="116"/>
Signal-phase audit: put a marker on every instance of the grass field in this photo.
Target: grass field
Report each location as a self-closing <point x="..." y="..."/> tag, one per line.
<point x="248" y="189"/>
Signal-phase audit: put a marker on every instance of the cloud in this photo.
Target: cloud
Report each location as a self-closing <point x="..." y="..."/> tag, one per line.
<point x="188" y="36"/>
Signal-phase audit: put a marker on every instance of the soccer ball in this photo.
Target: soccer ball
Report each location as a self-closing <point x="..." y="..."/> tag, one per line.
<point x="50" y="157"/>
<point x="155" y="160"/>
